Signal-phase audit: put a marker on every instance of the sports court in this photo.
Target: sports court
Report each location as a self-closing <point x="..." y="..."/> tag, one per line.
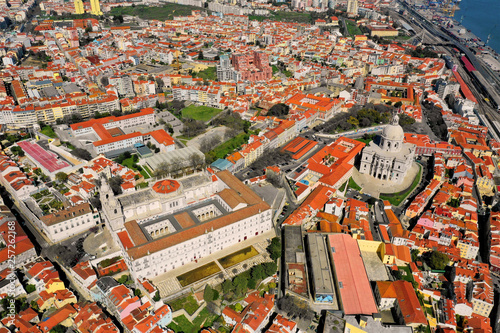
<point x="48" y="160"/>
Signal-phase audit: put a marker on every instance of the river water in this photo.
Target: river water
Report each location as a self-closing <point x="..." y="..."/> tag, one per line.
<point x="481" y="18"/>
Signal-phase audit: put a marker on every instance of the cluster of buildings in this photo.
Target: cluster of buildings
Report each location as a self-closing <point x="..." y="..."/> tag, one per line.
<point x="370" y="278"/>
<point x="109" y="136"/>
<point x="72" y="82"/>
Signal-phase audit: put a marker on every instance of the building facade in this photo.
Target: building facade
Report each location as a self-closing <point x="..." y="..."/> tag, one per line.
<point x="69" y="222"/>
<point x="176" y="222"/>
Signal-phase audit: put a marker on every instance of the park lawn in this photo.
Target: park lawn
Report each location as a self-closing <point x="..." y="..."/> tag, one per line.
<point x="408" y="276"/>
<point x="352" y="28"/>
<point x="292" y="17"/>
<point x="182" y="324"/>
<point x="201" y="112"/>
<point x="185" y="138"/>
<point x="204" y="319"/>
<point x="187" y="303"/>
<point x="198" y="274"/>
<point x="48" y="131"/>
<point x="238" y="257"/>
<point x="229" y="146"/>
<point x="352" y="184"/>
<point x="396" y="198"/>
<point x="342" y="188"/>
<point x="71" y="17"/>
<point x="165" y="12"/>
<point x="208" y="74"/>
<point x="129" y="162"/>
<point x="283" y="17"/>
<point x="146" y="172"/>
<point x="366" y="141"/>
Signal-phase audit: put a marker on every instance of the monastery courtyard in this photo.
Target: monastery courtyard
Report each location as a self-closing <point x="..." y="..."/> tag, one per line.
<point x="168" y="284"/>
<point x="374" y="187"/>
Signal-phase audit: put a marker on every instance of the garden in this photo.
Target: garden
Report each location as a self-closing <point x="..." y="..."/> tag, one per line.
<point x="352" y="184"/>
<point x="48" y="131"/>
<point x="182" y="324"/>
<point x="187" y="303"/>
<point x="47" y="202"/>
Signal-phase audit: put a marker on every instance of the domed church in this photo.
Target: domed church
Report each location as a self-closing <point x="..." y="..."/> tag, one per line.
<point x="391" y="158"/>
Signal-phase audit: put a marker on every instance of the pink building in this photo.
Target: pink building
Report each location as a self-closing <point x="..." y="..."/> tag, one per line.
<point x="253" y="66"/>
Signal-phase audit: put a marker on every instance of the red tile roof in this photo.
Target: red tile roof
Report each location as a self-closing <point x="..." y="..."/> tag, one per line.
<point x="356" y="293"/>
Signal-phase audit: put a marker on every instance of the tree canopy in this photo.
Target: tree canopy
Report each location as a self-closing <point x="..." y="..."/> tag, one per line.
<point x="82" y="153"/>
<point x="61" y="176"/>
<point x="274" y="248"/>
<point x="279" y="110"/>
<point x="438" y="260"/>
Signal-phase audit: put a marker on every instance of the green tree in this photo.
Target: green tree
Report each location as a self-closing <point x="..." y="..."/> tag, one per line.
<point x="58" y="329"/>
<point x="138" y="292"/>
<point x="398" y="104"/>
<point x="240" y="284"/>
<point x="274" y="248"/>
<point x="258" y="272"/>
<point x="123" y="279"/>
<point x="157" y="297"/>
<point x="30" y="288"/>
<point x="414" y="254"/>
<point x="61" y="176"/>
<point x="34" y="306"/>
<point x="353" y="121"/>
<point x="438" y="260"/>
<point x="270" y="268"/>
<point x="227" y="286"/>
<point x="251" y="284"/>
<point x="208" y="294"/>
<point x="279" y="110"/>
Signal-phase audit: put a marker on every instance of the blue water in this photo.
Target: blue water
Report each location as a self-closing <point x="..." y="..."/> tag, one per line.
<point x="481" y="18"/>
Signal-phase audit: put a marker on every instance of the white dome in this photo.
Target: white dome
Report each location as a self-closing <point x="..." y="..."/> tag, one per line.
<point x="393" y="133"/>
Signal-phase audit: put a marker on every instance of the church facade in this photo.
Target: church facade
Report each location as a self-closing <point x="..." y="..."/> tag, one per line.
<point x="391" y="158"/>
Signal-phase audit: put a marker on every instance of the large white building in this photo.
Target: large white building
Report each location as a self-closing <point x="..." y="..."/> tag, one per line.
<point x="391" y="158"/>
<point x="110" y="137"/>
<point x="69" y="222"/>
<point x="352" y="7"/>
<point x="179" y="221"/>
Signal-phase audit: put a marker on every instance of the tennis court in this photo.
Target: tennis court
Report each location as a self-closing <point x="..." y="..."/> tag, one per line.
<point x="48" y="160"/>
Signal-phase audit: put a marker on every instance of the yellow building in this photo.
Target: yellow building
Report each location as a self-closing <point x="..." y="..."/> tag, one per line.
<point x="485" y="186"/>
<point x="481" y="307"/>
<point x="95" y="8"/>
<point x="54" y="285"/>
<point x="79" y="7"/>
<point x="384" y="32"/>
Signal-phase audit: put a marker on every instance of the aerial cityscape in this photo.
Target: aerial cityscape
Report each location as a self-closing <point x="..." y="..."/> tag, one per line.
<point x="249" y="166"/>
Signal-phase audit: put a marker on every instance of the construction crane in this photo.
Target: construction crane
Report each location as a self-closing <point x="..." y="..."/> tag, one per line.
<point x="177" y="64"/>
<point x="449" y="7"/>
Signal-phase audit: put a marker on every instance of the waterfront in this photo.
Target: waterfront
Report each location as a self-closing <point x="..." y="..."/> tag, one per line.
<point x="480" y="17"/>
